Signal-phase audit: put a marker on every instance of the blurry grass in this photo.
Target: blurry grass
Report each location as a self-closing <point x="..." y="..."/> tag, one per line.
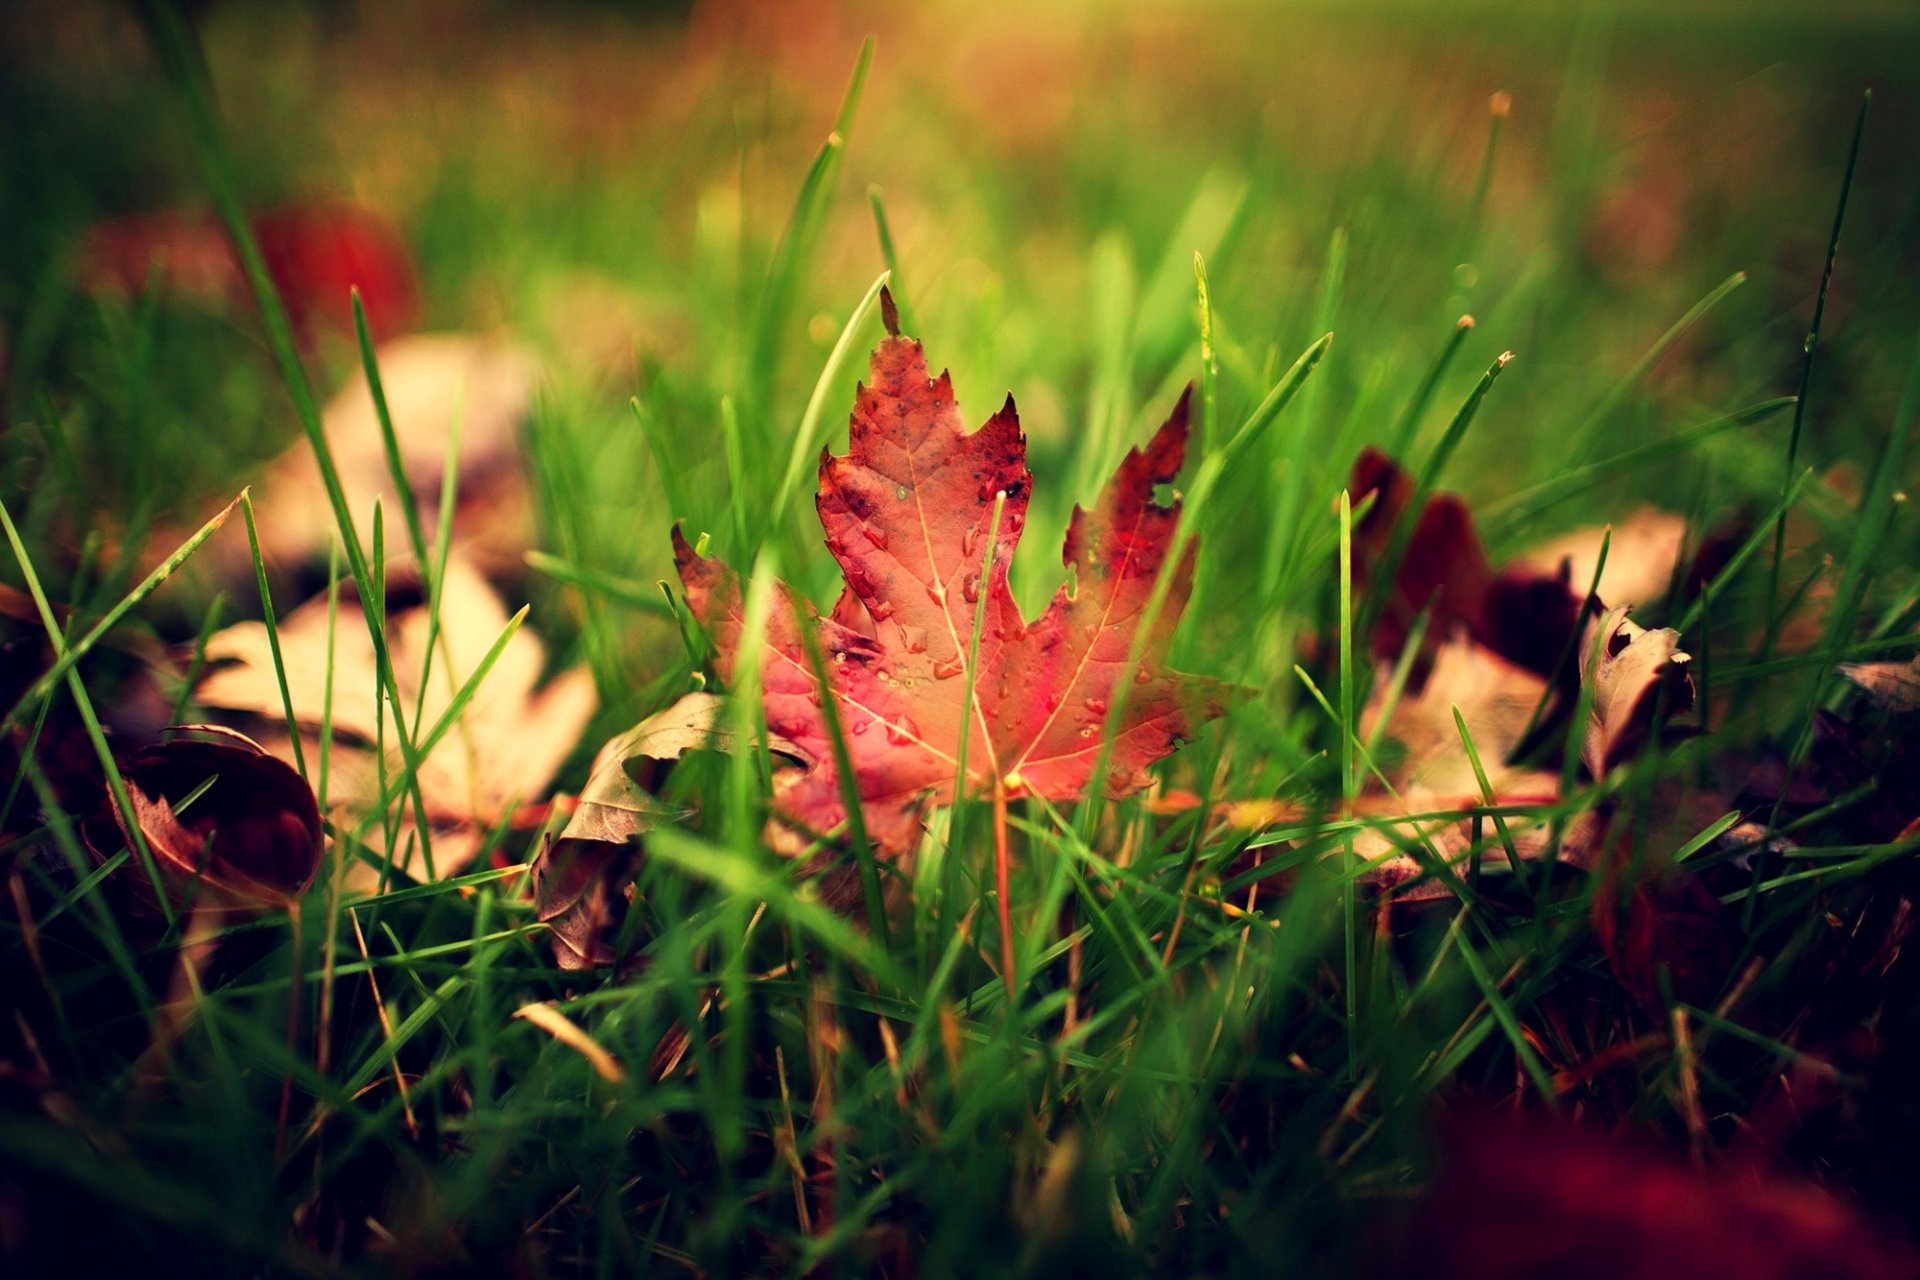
<point x="1200" y="1069"/>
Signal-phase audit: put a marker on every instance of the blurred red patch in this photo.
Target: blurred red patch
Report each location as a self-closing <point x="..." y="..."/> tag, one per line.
<point x="1539" y="1199"/>
<point x="316" y="252"/>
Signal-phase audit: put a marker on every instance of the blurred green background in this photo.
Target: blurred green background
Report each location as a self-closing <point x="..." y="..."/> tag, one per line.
<point x="609" y="183"/>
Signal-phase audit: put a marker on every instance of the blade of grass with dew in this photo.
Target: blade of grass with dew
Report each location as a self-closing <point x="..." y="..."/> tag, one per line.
<point x="792" y="255"/>
<point x="1811" y="349"/>
<point x="187" y="72"/>
<point x="804" y="438"/>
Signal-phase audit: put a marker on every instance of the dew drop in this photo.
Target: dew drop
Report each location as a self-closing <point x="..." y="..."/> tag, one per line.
<point x="861" y="727"/>
<point x="969" y="540"/>
<point x="902" y="733"/>
<point x="1096" y="706"/>
<point x="1016" y="522"/>
<point x="881" y="610"/>
<point x="878" y="537"/>
<point x="1142" y="676"/>
<point x="949" y="669"/>
<point x="970" y="588"/>
<point x="914" y="638"/>
<point x="937" y="593"/>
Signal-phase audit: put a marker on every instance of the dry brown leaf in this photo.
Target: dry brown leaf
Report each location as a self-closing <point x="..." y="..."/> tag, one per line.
<point x="1496" y="698"/>
<point x="508" y="742"/>
<point x="251" y="839"/>
<point x="578" y="877"/>
<point x="1643" y="553"/>
<point x="1638" y="677"/>
<point x="431" y="382"/>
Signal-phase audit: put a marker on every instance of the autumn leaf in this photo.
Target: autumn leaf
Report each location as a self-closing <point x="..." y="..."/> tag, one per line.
<point x="316" y="252"/>
<point x="578" y="875"/>
<point x="230" y="827"/>
<point x="909" y="514"/>
<point x="505" y="745"/>
<point x="1891" y="686"/>
<point x="1638" y="677"/>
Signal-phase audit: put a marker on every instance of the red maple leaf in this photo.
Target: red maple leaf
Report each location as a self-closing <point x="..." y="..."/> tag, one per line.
<point x="907" y="513"/>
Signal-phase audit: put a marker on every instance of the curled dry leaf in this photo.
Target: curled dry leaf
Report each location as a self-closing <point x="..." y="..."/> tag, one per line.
<point x="250" y="837"/>
<point x="1639" y="677"/>
<point x="505" y="746"/>
<point x="909" y="514"/>
<point x="578" y="876"/>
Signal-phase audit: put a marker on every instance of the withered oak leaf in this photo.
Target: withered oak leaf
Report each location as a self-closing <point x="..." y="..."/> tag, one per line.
<point x="907" y="514"/>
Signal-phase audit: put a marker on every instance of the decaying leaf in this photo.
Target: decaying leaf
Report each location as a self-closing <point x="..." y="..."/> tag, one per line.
<point x="908" y="513"/>
<point x="1501" y="653"/>
<point x="1670" y="938"/>
<point x="1893" y="686"/>
<point x="503" y="749"/>
<point x="431" y="381"/>
<point x="230" y="827"/>
<point x="1639" y="677"/>
<point x="578" y="876"/>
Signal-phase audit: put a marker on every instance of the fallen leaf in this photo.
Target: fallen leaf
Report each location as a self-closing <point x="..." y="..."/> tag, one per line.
<point x="504" y="747"/>
<point x="1639" y="677"/>
<point x="578" y="876"/>
<point x="1526" y="610"/>
<point x="1643" y="552"/>
<point x="315" y="251"/>
<point x="432" y="382"/>
<point x="1670" y="937"/>
<point x="250" y="839"/>
<point x="1497" y="700"/>
<point x="908" y="514"/>
<point x="1893" y="686"/>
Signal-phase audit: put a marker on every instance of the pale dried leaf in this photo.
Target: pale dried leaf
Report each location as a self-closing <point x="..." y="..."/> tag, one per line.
<point x="1637" y="677"/>
<point x="1496" y="698"/>
<point x="1893" y="686"/>
<point x="1643" y="553"/>
<point x="430" y="380"/>
<point x="508" y="742"/>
